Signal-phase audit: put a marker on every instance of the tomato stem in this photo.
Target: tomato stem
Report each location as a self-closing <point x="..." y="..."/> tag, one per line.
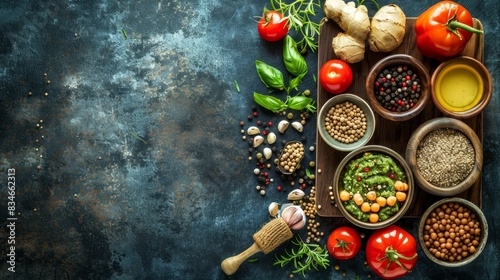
<point x="393" y="256"/>
<point x="344" y="245"/>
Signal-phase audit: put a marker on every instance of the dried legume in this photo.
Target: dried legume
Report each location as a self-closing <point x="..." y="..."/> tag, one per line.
<point x="345" y="122"/>
<point x="452" y="232"/>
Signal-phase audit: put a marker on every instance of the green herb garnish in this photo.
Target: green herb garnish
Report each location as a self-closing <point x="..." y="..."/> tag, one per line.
<point x="124" y="33"/>
<point x="304" y="256"/>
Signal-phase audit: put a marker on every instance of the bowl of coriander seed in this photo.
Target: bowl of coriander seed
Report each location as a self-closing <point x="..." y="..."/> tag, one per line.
<point x="446" y="156"/>
<point x="346" y="122"/>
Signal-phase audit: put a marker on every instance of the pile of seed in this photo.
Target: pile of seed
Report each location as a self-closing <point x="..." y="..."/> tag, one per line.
<point x="452" y="232"/>
<point x="445" y="157"/>
<point x="398" y="88"/>
<point x="345" y="122"/>
<point x="291" y="156"/>
<point x="308" y="204"/>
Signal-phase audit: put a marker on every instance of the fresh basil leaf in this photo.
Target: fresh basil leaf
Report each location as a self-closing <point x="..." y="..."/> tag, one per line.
<point x="269" y="102"/>
<point x="294" y="61"/>
<point x="298" y="102"/>
<point x="270" y="76"/>
<point x="294" y="82"/>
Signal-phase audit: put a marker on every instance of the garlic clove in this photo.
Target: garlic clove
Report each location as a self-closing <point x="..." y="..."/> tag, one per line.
<point x="273" y="209"/>
<point x="268" y="153"/>
<point x="294" y="217"/>
<point x="253" y="130"/>
<point x="271" y="138"/>
<point x="282" y="126"/>
<point x="296" y="194"/>
<point x="298" y="126"/>
<point x="257" y="140"/>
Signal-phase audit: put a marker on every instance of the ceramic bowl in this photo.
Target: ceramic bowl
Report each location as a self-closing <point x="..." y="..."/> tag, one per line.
<point x="461" y="87"/>
<point x="412" y="150"/>
<point x="425" y="225"/>
<point x="339" y="185"/>
<point x="395" y="61"/>
<point x="360" y="103"/>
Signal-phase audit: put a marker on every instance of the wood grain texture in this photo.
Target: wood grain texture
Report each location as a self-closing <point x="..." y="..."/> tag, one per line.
<point x="388" y="133"/>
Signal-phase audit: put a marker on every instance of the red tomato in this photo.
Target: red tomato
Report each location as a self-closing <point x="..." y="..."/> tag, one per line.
<point x="391" y="252"/>
<point x="273" y="26"/>
<point x="344" y="243"/>
<point x="335" y="76"/>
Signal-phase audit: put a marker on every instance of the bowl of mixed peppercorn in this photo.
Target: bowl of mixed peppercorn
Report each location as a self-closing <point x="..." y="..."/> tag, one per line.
<point x="446" y="156"/>
<point x="373" y="187"/>
<point x="398" y="87"/>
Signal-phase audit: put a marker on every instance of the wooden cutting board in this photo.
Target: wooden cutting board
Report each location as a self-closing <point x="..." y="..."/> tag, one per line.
<point x="391" y="134"/>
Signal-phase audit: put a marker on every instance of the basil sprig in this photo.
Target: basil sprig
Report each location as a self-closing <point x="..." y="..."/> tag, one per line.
<point x="294" y="61"/>
<point x="269" y="102"/>
<point x="301" y="102"/>
<point x="274" y="104"/>
<point x="270" y="76"/>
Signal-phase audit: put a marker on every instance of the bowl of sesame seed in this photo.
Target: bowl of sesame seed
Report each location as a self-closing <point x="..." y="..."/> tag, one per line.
<point x="446" y="156"/>
<point x="346" y="122"/>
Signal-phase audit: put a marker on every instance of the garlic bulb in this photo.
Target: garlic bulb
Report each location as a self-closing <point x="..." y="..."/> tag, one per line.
<point x="294" y="217"/>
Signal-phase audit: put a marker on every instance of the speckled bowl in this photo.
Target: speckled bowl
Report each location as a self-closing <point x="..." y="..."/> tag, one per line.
<point x="483" y="234"/>
<point x="337" y="183"/>
<point x="339" y="99"/>
<point x="413" y="145"/>
<point x="394" y="60"/>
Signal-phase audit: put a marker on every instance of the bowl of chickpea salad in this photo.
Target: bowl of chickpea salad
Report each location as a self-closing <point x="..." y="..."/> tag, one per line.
<point x="373" y="187"/>
<point x="346" y="122"/>
<point x="453" y="232"/>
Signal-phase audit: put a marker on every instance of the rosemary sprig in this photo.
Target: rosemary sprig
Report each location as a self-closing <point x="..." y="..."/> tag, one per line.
<point x="305" y="256"/>
<point x="299" y="14"/>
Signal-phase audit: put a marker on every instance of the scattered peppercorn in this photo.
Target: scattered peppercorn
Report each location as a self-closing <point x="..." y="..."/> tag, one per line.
<point x="398" y="88"/>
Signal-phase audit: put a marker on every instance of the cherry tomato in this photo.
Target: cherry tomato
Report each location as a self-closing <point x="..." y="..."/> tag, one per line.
<point x="335" y="76"/>
<point x="344" y="243"/>
<point x="391" y="252"/>
<point x="273" y="26"/>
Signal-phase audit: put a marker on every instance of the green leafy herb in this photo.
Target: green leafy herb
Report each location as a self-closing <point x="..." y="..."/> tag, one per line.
<point x="124" y="33"/>
<point x="269" y="102"/>
<point x="304" y="256"/>
<point x="294" y="61"/>
<point x="252" y="260"/>
<point x="299" y="13"/>
<point x="308" y="173"/>
<point x="237" y="86"/>
<point x="301" y="102"/>
<point x="270" y="76"/>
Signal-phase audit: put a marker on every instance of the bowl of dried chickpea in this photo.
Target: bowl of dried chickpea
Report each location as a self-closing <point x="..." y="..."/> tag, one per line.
<point x="373" y="187"/>
<point x="453" y="232"/>
<point x="446" y="156"/>
<point x="346" y="122"/>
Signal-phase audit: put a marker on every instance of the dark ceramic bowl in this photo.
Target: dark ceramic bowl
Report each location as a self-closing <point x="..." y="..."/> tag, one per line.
<point x="483" y="235"/>
<point x="393" y="61"/>
<point x="338" y="186"/>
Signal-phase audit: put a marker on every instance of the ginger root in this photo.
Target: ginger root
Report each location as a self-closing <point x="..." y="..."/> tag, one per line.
<point x="349" y="45"/>
<point x="387" y="29"/>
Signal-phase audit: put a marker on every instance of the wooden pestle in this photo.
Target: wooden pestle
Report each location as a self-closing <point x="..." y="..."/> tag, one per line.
<point x="266" y="239"/>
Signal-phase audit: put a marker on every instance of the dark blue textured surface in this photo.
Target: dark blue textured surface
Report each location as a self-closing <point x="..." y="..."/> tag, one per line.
<point x="139" y="171"/>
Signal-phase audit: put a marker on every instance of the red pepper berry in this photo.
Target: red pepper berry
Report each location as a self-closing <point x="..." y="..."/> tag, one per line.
<point x="270" y="123"/>
<point x="264" y="132"/>
<point x="255" y="114"/>
<point x="359" y="178"/>
<point x="279" y="188"/>
<point x="262" y="166"/>
<point x="357" y="166"/>
<point x="403" y="84"/>
<point x="391" y="176"/>
<point x="366" y="169"/>
<point x="259" y="122"/>
<point x="267" y="181"/>
<point x="412" y="104"/>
